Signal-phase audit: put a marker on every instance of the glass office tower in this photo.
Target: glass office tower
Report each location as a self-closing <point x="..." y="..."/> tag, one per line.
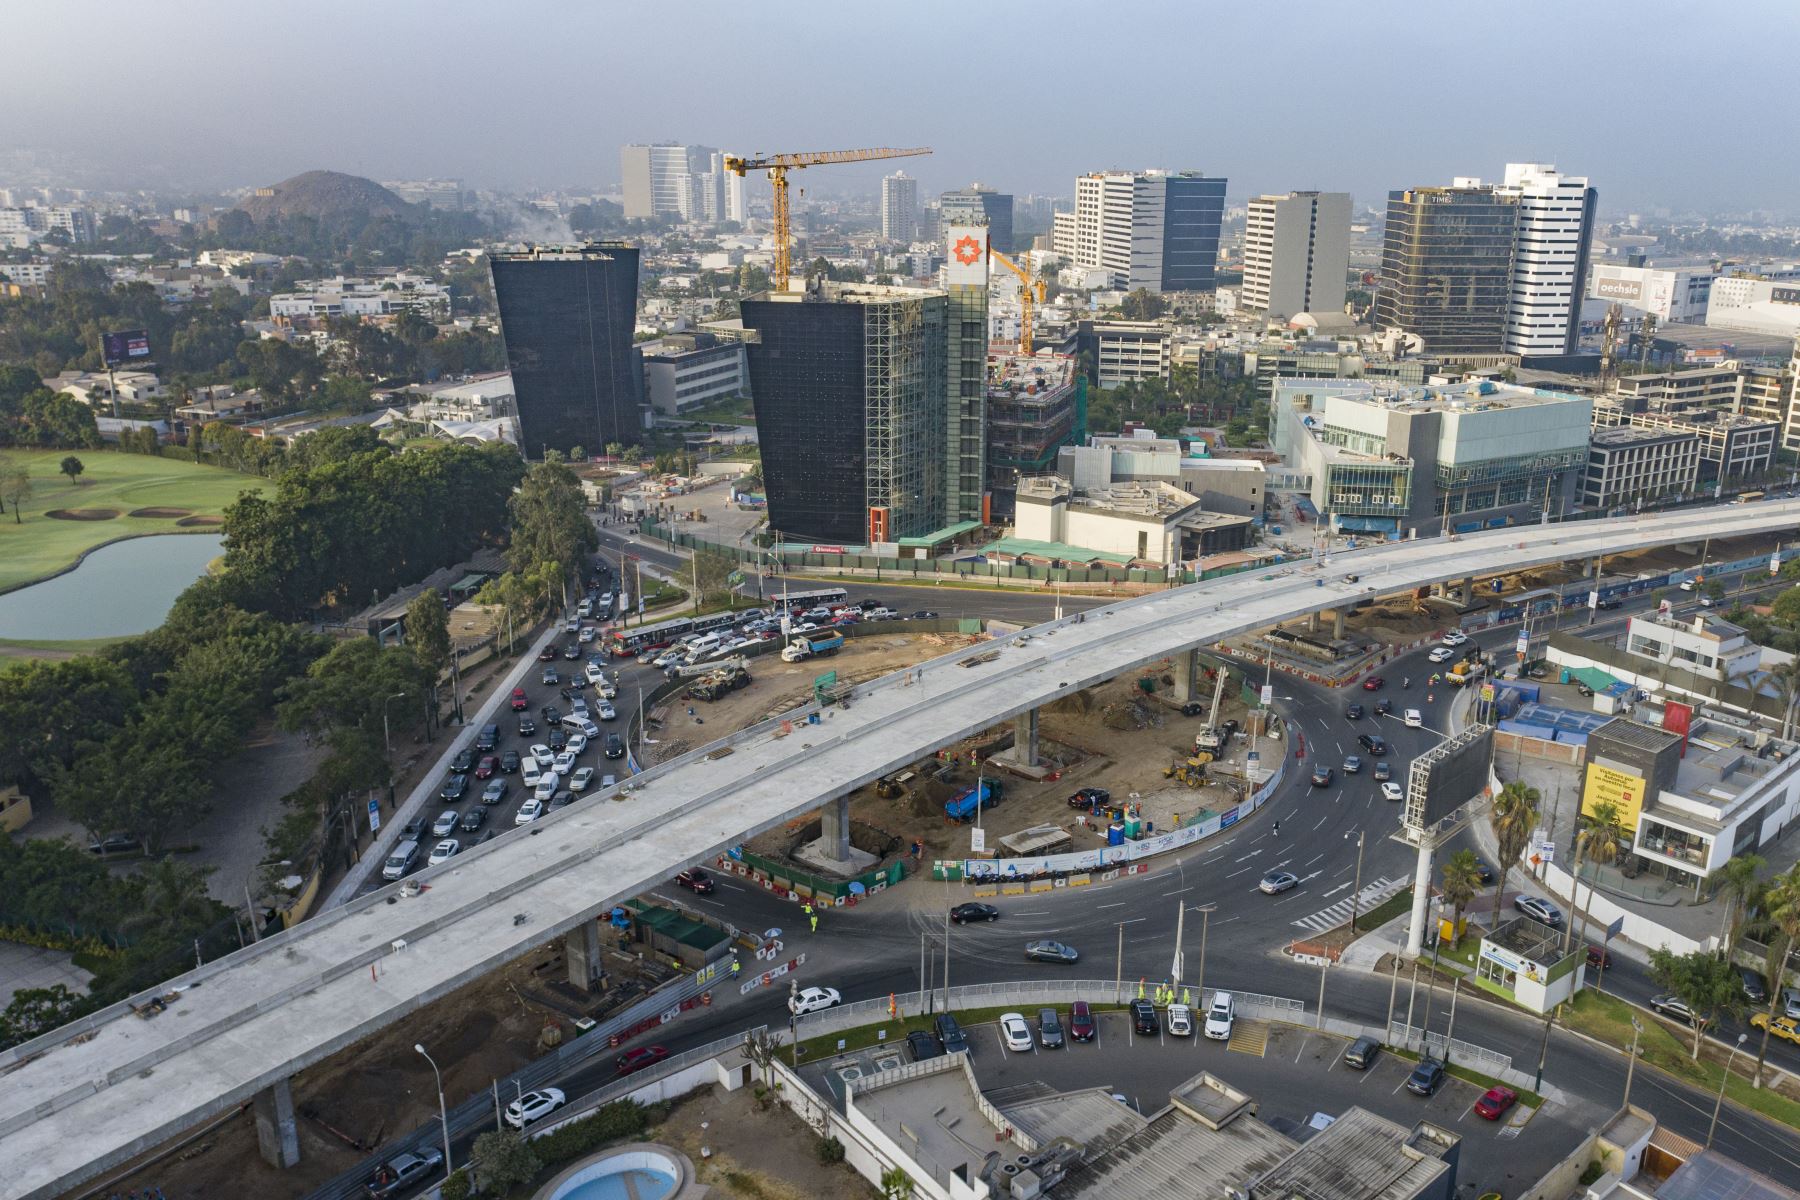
<point x="1446" y="267"/>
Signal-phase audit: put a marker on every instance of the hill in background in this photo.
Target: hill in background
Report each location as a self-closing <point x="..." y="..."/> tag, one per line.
<point x="324" y="195"/>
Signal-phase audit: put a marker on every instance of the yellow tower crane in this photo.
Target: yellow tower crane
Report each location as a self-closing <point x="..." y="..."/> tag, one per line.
<point x="1027" y="285"/>
<point x="778" y="165"/>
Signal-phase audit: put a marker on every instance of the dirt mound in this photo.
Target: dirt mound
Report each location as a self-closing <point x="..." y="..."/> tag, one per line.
<point x="190" y="522"/>
<point x="1074" y="704"/>
<point x="159" y="514"/>
<point x="83" y="514"/>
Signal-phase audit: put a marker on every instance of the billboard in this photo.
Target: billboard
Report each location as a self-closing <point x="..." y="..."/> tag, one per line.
<point x="1679" y="718"/>
<point x="1618" y="289"/>
<point x="965" y="255"/>
<point x="125" y="346"/>
<point x="1784" y="295"/>
<point x="1448" y="776"/>
<point x="1622" y="789"/>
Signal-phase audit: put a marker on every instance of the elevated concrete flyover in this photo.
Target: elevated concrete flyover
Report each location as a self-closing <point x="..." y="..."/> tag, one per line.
<point x="110" y="1085"/>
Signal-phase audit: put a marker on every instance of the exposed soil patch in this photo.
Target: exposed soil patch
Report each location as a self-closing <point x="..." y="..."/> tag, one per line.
<point x="159" y="514"/>
<point x="83" y="514"/>
<point x="191" y="522"/>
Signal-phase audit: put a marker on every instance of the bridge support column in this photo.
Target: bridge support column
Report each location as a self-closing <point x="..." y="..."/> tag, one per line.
<point x="1187" y="676"/>
<point x="1415" y="930"/>
<point x="1312" y="622"/>
<point x="581" y="950"/>
<point x="834" y="829"/>
<point x="1468" y="589"/>
<point x="1025" y="738"/>
<point x="1337" y="624"/>
<point x="277" y="1134"/>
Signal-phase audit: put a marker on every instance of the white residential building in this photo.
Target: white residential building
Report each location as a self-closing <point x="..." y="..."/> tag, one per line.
<point x="1296" y="253"/>
<point x="1550" y="258"/>
<point x="27" y="274"/>
<point x="900" y="208"/>
<point x="736" y="208"/>
<point x="344" y="296"/>
<point x="668" y="180"/>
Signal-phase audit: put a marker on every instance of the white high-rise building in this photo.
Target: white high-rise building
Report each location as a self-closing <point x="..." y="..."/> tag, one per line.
<point x="1550" y="258"/>
<point x="669" y="181"/>
<point x="900" y="208"/>
<point x="1151" y="229"/>
<point x="736" y="207"/>
<point x="1296" y="253"/>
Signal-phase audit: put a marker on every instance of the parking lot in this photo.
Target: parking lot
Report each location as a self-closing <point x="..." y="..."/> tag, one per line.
<point x="1292" y="1073"/>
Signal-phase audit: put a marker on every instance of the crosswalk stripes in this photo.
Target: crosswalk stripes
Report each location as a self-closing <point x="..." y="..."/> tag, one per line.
<point x="1249" y="1037"/>
<point x="1337" y="914"/>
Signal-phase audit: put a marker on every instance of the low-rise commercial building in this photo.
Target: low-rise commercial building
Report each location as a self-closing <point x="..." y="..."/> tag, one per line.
<point x="342" y="296"/>
<point x="1144" y="522"/>
<point x="1755" y="305"/>
<point x="689" y="370"/>
<point x="1232" y="486"/>
<point x="1671" y="296"/>
<point x="1628" y="465"/>
<point x="1125" y="351"/>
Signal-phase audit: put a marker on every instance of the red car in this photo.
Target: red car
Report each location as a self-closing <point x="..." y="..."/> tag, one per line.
<point x="1081" y="1022"/>
<point x="696" y="881"/>
<point x="1374" y="683"/>
<point x="1598" y="958"/>
<point x="633" y="1061"/>
<point x="1494" y="1102"/>
<point x="547" y="654"/>
<point x="519" y="702"/>
<point x="485" y="767"/>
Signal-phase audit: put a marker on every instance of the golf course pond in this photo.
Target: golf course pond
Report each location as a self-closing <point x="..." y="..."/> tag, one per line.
<point x="118" y="590"/>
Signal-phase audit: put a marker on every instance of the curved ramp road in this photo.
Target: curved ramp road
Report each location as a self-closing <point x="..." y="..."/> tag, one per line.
<point x="115" y="1083"/>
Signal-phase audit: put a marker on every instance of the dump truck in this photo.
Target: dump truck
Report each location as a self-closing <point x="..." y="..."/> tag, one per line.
<point x="811" y="645"/>
<point x="963" y="805"/>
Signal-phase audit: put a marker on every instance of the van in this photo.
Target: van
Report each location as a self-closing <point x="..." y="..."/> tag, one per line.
<point x="586" y="608"/>
<point x="400" y="861"/>
<point x="701" y="647"/>
<point x="488" y="738"/>
<point x="580" y="724"/>
<point x="1362" y="1053"/>
<point x="531" y="772"/>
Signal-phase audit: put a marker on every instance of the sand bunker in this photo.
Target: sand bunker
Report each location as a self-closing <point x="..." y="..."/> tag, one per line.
<point x="160" y="513"/>
<point x="190" y="522"/>
<point x="83" y="514"/>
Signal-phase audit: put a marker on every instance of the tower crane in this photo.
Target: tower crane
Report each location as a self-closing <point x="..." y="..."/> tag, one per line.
<point x="778" y="166"/>
<point x="1026" y="287"/>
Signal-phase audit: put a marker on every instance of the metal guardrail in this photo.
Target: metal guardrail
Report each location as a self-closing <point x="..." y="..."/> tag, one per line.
<point x="1491" y="1062"/>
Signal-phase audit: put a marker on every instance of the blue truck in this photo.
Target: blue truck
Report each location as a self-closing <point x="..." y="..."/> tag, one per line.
<point x="815" y="644"/>
<point x="962" y="807"/>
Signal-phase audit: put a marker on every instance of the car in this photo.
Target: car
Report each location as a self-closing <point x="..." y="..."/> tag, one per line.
<point x="494" y="792"/>
<point x="488" y="738"/>
<point x="607" y="690"/>
<point x="949" y="1034"/>
<point x="1426" y="1078"/>
<point x="477" y="816"/>
<point x="1050" y="1030"/>
<point x="400" y="860"/>
<point x="813" y="999"/>
<point x="1785" y="1028"/>
<point x="1180" y="1020"/>
<point x="551" y="715"/>
<point x="547" y="787"/>
<point x="1276" y="882"/>
<point x="594" y="674"/>
<point x="1383" y="770"/>
<point x="588" y="633"/>
<point x="1143" y="1018"/>
<point x="581" y="780"/>
<point x="1220" y="1016"/>
<point x="1362" y="1053"/>
<point x="607" y="711"/>
<point x="485" y="768"/>
<point x="572" y="693"/>
<point x="572" y="651"/>
<point x="633" y="1061"/>
<point x="1352" y="764"/>
<point x="547" y="654"/>
<point x="1392" y="791"/>
<point x="972" y="911"/>
<point x="1081" y="1021"/>
<point x="1454" y="638"/>
<point x="1495" y="1101"/>
<point x="564" y="763"/>
<point x="1670" y="1005"/>
<point x="520" y="702"/>
<point x="1756" y="990"/>
<point x="615" y="746"/>
<point x="1441" y="654"/>
<point x="1050" y="952"/>
<point x="1015" y="1032"/>
<point x="543" y="755"/>
<point x="578" y="705"/>
<point x="1354" y="711"/>
<point x="1598" y="958"/>
<point x="443" y="852"/>
<point x="414" y="830"/>
<point x="923" y="614"/>
<point x="551" y="677"/>
<point x="577" y="743"/>
<point x="400" y="1172"/>
<point x="528" y="812"/>
<point x="1322" y="776"/>
<point x="1413" y="719"/>
<point x="463" y="760"/>
<point x="1383" y="707"/>
<point x="446" y="821"/>
<point x="455" y="787"/>
<point x="527" y="727"/>
<point x="922" y="1045"/>
<point x="1486" y="871"/>
<point x="1790" y="1002"/>
<point x="668" y="658"/>
<point x="1374" y="683"/>
<point x="1539" y="909"/>
<point x="1088" y="797"/>
<point x="695" y="880"/>
<point x="509" y="762"/>
<point x="1374" y="743"/>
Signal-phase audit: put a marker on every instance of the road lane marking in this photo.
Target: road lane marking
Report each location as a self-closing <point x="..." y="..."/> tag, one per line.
<point x="1117" y="904"/>
<point x="1178" y="891"/>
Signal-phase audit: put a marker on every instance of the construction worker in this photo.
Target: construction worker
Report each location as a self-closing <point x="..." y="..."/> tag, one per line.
<point x="735" y="968"/>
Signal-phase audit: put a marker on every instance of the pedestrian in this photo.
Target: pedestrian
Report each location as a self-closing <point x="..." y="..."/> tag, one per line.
<point x="1278" y="829"/>
<point x="815" y="922"/>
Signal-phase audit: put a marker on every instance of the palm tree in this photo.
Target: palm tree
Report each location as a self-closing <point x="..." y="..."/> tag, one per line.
<point x="1462" y="880"/>
<point x="1786" y="680"/>
<point x="1598" y="842"/>
<point x="1739" y="883"/>
<point x="1515" y="816"/>
<point x="173" y="897"/>
<point x="1781" y="918"/>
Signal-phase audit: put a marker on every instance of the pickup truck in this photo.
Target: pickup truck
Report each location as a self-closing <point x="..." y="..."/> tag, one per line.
<point x="963" y="805"/>
<point x="812" y="645"/>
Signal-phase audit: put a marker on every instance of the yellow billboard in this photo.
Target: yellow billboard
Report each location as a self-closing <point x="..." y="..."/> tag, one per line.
<point x="1624" y="790"/>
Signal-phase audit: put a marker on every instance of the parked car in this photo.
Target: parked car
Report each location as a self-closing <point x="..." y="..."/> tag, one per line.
<point x="1276" y="882"/>
<point x="1180" y="1020"/>
<point x="1362" y="1053"/>
<point x="949" y="1034"/>
<point x="1494" y="1102"/>
<point x="1015" y="1032"/>
<point x="477" y="815"/>
<point x="1050" y="1030"/>
<point x="443" y="852"/>
<point x="1081" y="1021"/>
<point x="1220" y="1016"/>
<point x="633" y="1061"/>
<point x="964" y="913"/>
<point x="923" y="1046"/>
<point x="1756" y="991"/>
<point x="1671" y="1005"/>
<point x="1143" y="1018"/>
<point x="1426" y="1078"/>
<point x="1598" y="958"/>
<point x="696" y="881"/>
<point x="1087" y="797"/>
<point x="1539" y="909"/>
<point x="814" y="999"/>
<point x="1050" y="952"/>
<point x="401" y="1172"/>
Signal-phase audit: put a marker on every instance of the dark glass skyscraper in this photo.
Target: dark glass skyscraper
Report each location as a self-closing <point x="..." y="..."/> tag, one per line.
<point x="976" y="205"/>
<point x="1193" y="207"/>
<point x="567" y="315"/>
<point x="1446" y="267"/>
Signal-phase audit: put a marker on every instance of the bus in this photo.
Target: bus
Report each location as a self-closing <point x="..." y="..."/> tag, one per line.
<point x="1749" y="497"/>
<point x="718" y="620"/>
<point x="629" y="643"/>
<point x="811" y="599"/>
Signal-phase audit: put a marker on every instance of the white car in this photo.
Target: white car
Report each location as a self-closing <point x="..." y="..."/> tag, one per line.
<point x="581" y="780"/>
<point x="1391" y="791"/>
<point x="530" y="774"/>
<point x="1015" y="1032"/>
<point x="668" y="658"/>
<point x="546" y="757"/>
<point x="594" y="674"/>
<point x="1219" y="1017"/>
<point x="565" y="762"/>
<point x="444" y="851"/>
<point x="1441" y="654"/>
<point x="813" y="999"/>
<point x="1454" y="638"/>
<point x="1180" y="1021"/>
<point x="529" y="811"/>
<point x="576" y="744"/>
<point x="547" y="788"/>
<point x="1414" y="719"/>
<point x="533" y="1106"/>
<point x="578" y="707"/>
<point x="587" y="633"/>
<point x="607" y="689"/>
<point x="608" y="712"/>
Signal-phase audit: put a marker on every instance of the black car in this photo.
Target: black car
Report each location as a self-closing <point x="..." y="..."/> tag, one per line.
<point x="415" y="830"/>
<point x="489" y="735"/>
<point x="572" y="650"/>
<point x="923" y="1046"/>
<point x="1353" y="711"/>
<point x="1362" y="1053"/>
<point x="1755" y="991"/>
<point x="949" y="1034"/>
<point x="550" y="713"/>
<point x="615" y="746"/>
<point x="474" y="819"/>
<point x="560" y="800"/>
<point x="556" y="739"/>
<point x="1383" y="707"/>
<point x="527" y="727"/>
<point x="1426" y="1078"/>
<point x="1322" y="776"/>
<point x="972" y="911"/>
<point x="1374" y="743"/>
<point x="455" y="787"/>
<point x="509" y="762"/>
<point x="462" y="762"/>
<point x="923" y="615"/>
<point x="1087" y="797"/>
<point x="1143" y="1018"/>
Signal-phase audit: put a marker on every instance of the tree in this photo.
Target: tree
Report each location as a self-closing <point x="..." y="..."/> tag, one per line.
<point x="1707" y="984"/>
<point x="428" y="633"/>
<point x="896" y="1184"/>
<point x="1515" y="816"/>
<point x="71" y="466"/>
<point x="1780" y="923"/>
<point x="614" y="449"/>
<point x="1739" y="885"/>
<point x="1462" y="881"/>
<point x="508" y="1160"/>
<point x="1786" y="608"/>
<point x="15" y="488"/>
<point x="549" y="519"/>
<point x="36" y="1011"/>
<point x="713" y="574"/>
<point x="1143" y="305"/>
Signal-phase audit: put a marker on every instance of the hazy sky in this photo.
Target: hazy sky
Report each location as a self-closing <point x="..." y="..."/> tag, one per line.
<point x="1660" y="103"/>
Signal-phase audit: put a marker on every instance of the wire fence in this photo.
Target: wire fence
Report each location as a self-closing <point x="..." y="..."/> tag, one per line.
<point x="1489" y="1062"/>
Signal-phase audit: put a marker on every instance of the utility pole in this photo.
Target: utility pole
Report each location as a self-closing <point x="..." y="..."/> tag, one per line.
<point x="1631" y="1063"/>
<point x="1206" y="912"/>
<point x="1356" y="892"/>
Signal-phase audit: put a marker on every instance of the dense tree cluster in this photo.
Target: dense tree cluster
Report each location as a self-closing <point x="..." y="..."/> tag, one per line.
<point x="61" y="330"/>
<point x="33" y="416"/>
<point x="351" y="240"/>
<point x="1186" y="399"/>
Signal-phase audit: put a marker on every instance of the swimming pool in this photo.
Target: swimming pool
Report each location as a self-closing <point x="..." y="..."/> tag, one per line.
<point x="633" y="1183"/>
<point x="640" y="1172"/>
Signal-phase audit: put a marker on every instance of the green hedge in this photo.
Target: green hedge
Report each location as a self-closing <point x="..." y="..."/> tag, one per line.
<point x="617" y="1121"/>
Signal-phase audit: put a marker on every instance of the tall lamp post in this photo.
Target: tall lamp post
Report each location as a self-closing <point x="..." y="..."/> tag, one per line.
<point x="1356" y="893"/>
<point x="1631" y="1064"/>
<point x="386" y="738"/>
<point x="443" y="1113"/>
<point x="1723" y="1080"/>
<point x="1206" y="912"/>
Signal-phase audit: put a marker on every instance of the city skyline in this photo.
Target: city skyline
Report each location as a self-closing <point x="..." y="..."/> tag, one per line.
<point x="736" y="93"/>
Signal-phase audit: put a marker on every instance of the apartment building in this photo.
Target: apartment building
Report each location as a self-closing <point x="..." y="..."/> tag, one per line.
<point x="1629" y="465"/>
<point x="1296" y="253"/>
<point x="1157" y="230"/>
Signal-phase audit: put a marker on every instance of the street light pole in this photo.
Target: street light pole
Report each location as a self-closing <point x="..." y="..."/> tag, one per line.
<point x="1206" y="912"/>
<point x="443" y="1113"/>
<point x="1356" y="892"/>
<point x="1723" y="1080"/>
<point x="386" y="739"/>
<point x="1631" y="1065"/>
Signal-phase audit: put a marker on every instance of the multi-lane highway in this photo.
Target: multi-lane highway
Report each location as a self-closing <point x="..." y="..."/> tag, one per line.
<point x="245" y="1022"/>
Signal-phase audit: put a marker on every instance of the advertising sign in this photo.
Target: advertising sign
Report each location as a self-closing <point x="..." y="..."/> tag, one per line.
<point x="125" y="346"/>
<point x="978" y="840"/>
<point x="1593" y="598"/>
<point x="1622" y="789"/>
<point x="1523" y="645"/>
<point x="1618" y="289"/>
<point x="1784" y="295"/>
<point x="1678" y="718"/>
<point x="1268" y="695"/>
<point x="965" y="255"/>
<point x="374" y="815"/>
